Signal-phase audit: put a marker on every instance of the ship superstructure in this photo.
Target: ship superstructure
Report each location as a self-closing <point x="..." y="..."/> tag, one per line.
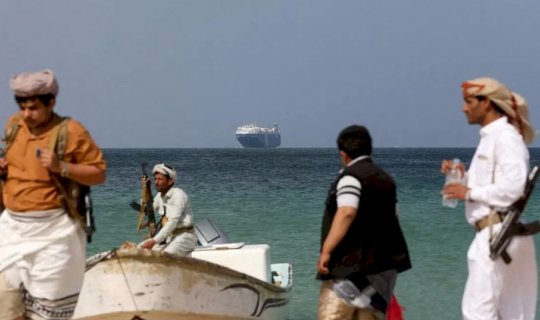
<point x="253" y="136"/>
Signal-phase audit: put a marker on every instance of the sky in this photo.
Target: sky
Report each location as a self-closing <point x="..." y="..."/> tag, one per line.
<point x="186" y="73"/>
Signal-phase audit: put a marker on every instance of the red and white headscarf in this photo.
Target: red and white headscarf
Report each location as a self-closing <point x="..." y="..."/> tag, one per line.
<point x="513" y="104"/>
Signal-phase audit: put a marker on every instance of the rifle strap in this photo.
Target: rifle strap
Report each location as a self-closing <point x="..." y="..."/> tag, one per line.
<point x="59" y="132"/>
<point x="53" y="137"/>
<point x="526" y="229"/>
<point x="57" y="140"/>
<point x="11" y="132"/>
<point x="71" y="211"/>
<point x="9" y="135"/>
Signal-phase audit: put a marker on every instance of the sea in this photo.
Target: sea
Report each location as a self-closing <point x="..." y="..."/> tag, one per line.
<point x="276" y="197"/>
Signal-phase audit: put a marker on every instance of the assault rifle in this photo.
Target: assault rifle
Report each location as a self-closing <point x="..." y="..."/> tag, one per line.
<point x="85" y="206"/>
<point x="137" y="206"/>
<point x="147" y="207"/>
<point x="511" y="225"/>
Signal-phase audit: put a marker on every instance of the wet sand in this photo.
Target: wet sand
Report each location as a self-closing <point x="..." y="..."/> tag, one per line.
<point x="158" y="316"/>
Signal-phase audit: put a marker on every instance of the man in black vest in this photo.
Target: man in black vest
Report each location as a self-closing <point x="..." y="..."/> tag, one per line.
<point x="362" y="245"/>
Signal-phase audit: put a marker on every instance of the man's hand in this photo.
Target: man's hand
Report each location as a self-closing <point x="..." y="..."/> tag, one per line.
<point x="340" y="225"/>
<point x="48" y="160"/>
<point x="149" y="244"/>
<point x="455" y="191"/>
<point x="144" y="180"/>
<point x="446" y="165"/>
<point x="322" y="264"/>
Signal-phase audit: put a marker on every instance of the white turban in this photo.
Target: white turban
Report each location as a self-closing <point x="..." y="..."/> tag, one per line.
<point x="513" y="104"/>
<point x="30" y="84"/>
<point x="165" y="170"/>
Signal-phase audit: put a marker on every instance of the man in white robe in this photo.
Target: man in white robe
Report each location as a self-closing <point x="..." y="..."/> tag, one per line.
<point x="495" y="179"/>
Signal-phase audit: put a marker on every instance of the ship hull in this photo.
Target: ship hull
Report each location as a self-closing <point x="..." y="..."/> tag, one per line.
<point x="259" y="140"/>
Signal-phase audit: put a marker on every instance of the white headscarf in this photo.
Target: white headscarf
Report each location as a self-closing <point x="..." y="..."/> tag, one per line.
<point x="165" y="170"/>
<point x="30" y="84"/>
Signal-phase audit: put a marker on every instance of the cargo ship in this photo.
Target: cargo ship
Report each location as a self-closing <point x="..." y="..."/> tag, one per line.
<point x="253" y="136"/>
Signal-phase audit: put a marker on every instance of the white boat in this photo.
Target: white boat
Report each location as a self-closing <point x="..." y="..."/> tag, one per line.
<point x="220" y="281"/>
<point x="253" y="136"/>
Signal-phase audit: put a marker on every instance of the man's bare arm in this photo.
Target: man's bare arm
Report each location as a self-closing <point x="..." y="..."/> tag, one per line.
<point x="340" y="225"/>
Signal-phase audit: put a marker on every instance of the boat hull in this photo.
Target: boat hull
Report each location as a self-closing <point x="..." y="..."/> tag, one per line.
<point x="154" y="286"/>
<point x="259" y="140"/>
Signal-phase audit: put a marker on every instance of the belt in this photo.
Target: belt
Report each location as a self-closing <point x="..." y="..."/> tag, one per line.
<point x="180" y="230"/>
<point x="489" y="220"/>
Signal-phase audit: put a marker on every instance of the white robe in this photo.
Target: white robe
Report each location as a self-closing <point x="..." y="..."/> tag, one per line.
<point x="496" y="178"/>
<point x="45" y="251"/>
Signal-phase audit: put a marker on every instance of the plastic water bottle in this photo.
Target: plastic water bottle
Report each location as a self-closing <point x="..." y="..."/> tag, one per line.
<point x="452" y="176"/>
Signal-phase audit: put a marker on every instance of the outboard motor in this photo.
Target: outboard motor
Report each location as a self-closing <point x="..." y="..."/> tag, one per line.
<point x="208" y="232"/>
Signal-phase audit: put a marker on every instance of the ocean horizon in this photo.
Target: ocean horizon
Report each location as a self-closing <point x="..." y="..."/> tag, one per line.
<point x="276" y="197"/>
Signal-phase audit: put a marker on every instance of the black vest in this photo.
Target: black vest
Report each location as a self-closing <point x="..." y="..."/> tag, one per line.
<point x="374" y="241"/>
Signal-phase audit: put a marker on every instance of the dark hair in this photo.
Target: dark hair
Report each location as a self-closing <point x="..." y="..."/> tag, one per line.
<point x="493" y="105"/>
<point x="355" y="141"/>
<point x="498" y="109"/>
<point x="44" y="98"/>
<point x="170" y="168"/>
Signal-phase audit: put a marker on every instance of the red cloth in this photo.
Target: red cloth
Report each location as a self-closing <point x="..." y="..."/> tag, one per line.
<point x="395" y="311"/>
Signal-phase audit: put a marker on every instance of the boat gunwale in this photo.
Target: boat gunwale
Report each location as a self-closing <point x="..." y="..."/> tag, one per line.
<point x="189" y="263"/>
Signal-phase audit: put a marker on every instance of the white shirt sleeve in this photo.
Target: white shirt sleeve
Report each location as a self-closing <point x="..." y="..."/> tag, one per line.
<point x="510" y="173"/>
<point x="348" y="192"/>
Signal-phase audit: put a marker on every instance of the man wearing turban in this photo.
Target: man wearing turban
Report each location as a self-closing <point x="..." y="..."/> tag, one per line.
<point x="172" y="203"/>
<point x="495" y="179"/>
<point x="42" y="248"/>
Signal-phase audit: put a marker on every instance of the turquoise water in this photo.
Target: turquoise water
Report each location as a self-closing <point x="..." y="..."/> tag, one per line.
<point x="276" y="197"/>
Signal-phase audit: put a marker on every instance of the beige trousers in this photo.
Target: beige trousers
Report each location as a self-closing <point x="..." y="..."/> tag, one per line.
<point x="331" y="307"/>
<point x="11" y="304"/>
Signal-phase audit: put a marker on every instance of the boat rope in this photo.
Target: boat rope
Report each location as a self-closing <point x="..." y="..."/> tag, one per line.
<point x="94" y="260"/>
<point x="127" y="282"/>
